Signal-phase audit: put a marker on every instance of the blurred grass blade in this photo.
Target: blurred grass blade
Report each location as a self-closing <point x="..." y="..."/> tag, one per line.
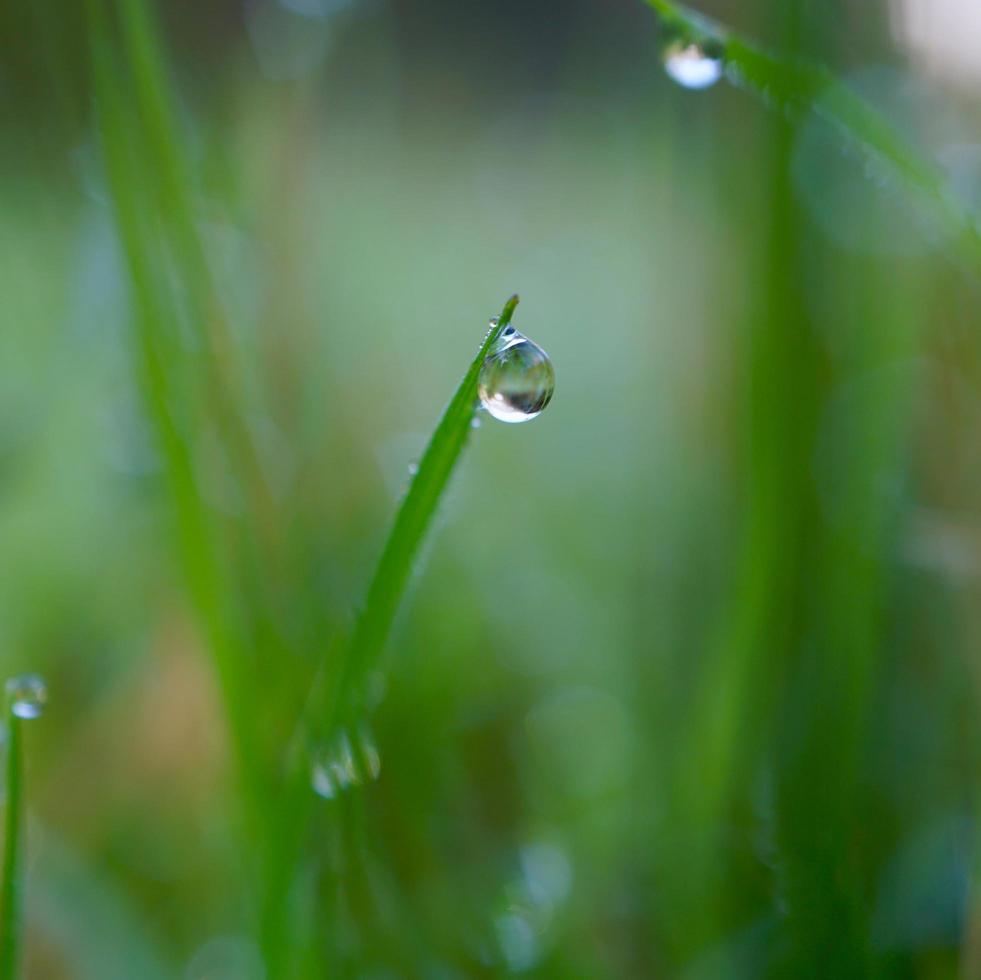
<point x="797" y="87"/>
<point x="147" y="199"/>
<point x="412" y="521"/>
<point x="10" y="911"/>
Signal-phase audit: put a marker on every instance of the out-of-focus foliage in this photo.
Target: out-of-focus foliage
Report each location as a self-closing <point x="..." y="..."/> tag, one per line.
<point x="686" y="683"/>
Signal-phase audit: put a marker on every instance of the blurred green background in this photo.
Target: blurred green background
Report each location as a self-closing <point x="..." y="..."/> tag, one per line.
<point x="687" y="682"/>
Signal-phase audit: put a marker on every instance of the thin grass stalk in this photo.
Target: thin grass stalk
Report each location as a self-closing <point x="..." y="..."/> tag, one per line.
<point x="10" y="889"/>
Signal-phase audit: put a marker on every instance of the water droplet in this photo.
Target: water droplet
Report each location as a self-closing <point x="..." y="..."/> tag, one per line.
<point x="693" y="65"/>
<point x="27" y="695"/>
<point x="413" y="469"/>
<point x="516" y="378"/>
<point x="344" y="763"/>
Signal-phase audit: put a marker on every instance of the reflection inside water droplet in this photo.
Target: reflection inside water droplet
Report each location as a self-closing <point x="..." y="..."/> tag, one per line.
<point x="344" y="763"/>
<point x="27" y="695"/>
<point x="516" y="379"/>
<point x="691" y="65"/>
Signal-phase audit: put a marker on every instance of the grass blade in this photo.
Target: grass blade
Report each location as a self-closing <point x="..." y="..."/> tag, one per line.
<point x="10" y="894"/>
<point x="335" y="698"/>
<point x="412" y="522"/>
<point x="797" y="87"/>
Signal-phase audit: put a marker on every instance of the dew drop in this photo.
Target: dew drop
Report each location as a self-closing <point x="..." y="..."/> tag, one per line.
<point x="344" y="763"/>
<point x="693" y="65"/>
<point x="27" y="695"/>
<point x="516" y="379"/>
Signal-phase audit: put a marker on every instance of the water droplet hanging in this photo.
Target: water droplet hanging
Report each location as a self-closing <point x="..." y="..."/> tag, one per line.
<point x="516" y="379"/>
<point x="27" y="695"/>
<point x="692" y="64"/>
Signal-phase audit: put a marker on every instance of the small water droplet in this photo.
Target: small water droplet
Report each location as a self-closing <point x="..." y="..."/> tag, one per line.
<point x="413" y="469"/>
<point x="27" y="695"/>
<point x="475" y="422"/>
<point x="693" y="65"/>
<point x="344" y="763"/>
<point x="516" y="379"/>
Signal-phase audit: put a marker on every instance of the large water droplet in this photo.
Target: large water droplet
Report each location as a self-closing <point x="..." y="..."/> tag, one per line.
<point x="343" y="763"/>
<point x="693" y="65"/>
<point x="27" y="695"/>
<point x="516" y="379"/>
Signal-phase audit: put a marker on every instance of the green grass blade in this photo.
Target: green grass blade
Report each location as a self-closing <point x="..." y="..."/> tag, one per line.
<point x="797" y="87"/>
<point x="346" y="665"/>
<point x="415" y="515"/>
<point x="134" y="179"/>
<point x="13" y="822"/>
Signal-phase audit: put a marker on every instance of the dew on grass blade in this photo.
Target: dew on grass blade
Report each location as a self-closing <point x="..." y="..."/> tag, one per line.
<point x="516" y="379"/>
<point x="27" y="695"/>
<point x="333" y="769"/>
<point x="343" y="763"/>
<point x="693" y="65"/>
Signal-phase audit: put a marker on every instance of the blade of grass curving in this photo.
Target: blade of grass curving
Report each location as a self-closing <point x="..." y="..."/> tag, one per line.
<point x="414" y="516"/>
<point x="797" y="87"/>
<point x="13" y="822"/>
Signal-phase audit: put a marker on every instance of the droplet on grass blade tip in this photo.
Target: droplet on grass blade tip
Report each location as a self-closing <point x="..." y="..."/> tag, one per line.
<point x="516" y="379"/>
<point x="344" y="763"/>
<point x="27" y="695"/>
<point x="693" y="65"/>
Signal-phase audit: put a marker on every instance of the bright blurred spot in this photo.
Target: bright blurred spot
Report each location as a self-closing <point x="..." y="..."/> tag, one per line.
<point x="290" y="40"/>
<point x="518" y="940"/>
<point x="943" y="37"/>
